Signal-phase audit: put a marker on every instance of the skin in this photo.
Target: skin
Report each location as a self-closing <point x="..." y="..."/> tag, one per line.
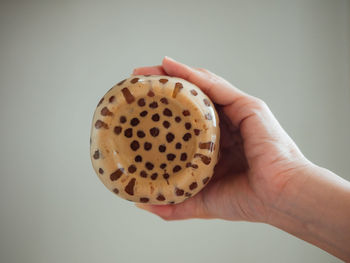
<point x="262" y="176"/>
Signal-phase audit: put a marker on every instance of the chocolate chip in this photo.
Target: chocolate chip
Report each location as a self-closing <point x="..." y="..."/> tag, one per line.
<point x="170" y="156"/>
<point x="115" y="190"/>
<point x="167" y="112"/>
<point x="122" y="119"/>
<point x="141" y="102"/>
<point x="96" y="155"/>
<point x="134" y="145"/>
<point x="205" y="180"/>
<point x="160" y="197"/>
<point x="166" y="175"/>
<point x="193" y="186"/>
<point x="138" y="158"/>
<point x="147" y="146"/>
<point x="140" y="134"/>
<point x="206" y="102"/>
<point x="178" y="145"/>
<point x="155" y="117"/>
<point x="143" y="174"/>
<point x="100" y="124"/>
<point x="134" y="80"/>
<point x="154" y="176"/>
<point x="149" y="165"/>
<point x="134" y="121"/>
<point x="100" y="102"/>
<point x="105" y="112"/>
<point x="111" y="99"/>
<point x="128" y="133"/>
<point x="154" y="131"/>
<point x="163" y="81"/>
<point x="130" y="187"/>
<point x="207" y="146"/>
<point x="132" y="168"/>
<point x="188" y="125"/>
<point x="196" y="132"/>
<point x="205" y="159"/>
<point x="143" y="113"/>
<point x="187" y="136"/>
<point x="117" y="130"/>
<point x="144" y="199"/>
<point x="187" y="194"/>
<point x="178" y="87"/>
<point x="166" y="124"/>
<point x="150" y="93"/>
<point x="193" y="92"/>
<point x="177" y="119"/>
<point x="163" y="165"/>
<point x="170" y="137"/>
<point x="172" y="202"/>
<point x="164" y="100"/>
<point x="186" y="113"/>
<point x="153" y="105"/>
<point x="162" y="148"/>
<point x="100" y="170"/>
<point x="117" y="174"/>
<point x="183" y="157"/>
<point x="176" y="168"/>
<point x="127" y="95"/>
<point x="179" y="191"/>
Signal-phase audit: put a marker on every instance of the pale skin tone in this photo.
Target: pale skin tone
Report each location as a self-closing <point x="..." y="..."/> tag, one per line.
<point x="262" y="176"/>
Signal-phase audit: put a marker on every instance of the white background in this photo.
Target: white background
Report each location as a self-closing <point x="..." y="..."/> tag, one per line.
<point x="58" y="59"/>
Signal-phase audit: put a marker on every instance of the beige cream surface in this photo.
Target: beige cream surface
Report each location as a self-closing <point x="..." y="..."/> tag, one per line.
<point x="155" y="139"/>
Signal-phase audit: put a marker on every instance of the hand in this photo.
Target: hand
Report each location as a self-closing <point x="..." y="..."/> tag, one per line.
<point x="258" y="159"/>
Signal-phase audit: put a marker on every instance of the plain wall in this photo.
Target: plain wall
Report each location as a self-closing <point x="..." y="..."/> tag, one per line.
<point x="57" y="59"/>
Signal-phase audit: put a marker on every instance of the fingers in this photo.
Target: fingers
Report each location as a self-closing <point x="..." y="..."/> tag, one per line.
<point x="217" y="88"/>
<point x="193" y="207"/>
<point x="153" y="70"/>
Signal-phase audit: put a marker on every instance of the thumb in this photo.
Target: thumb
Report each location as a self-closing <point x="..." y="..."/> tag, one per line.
<point x="193" y="207"/>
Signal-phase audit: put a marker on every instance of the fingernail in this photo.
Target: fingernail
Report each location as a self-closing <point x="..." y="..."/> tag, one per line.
<point x="169" y="58"/>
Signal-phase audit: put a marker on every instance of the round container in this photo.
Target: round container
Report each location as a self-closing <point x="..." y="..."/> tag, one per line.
<point x="155" y="139"/>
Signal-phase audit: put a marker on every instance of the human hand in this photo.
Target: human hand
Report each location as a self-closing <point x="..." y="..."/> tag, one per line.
<point x="257" y="162"/>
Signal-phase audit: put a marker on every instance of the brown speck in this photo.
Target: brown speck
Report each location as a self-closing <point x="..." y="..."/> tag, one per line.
<point x="100" y="102"/>
<point x="178" y="145"/>
<point x="176" y="168"/>
<point x="138" y="158"/>
<point x="177" y="119"/>
<point x="170" y="137"/>
<point x="100" y="124"/>
<point x="111" y="99"/>
<point x="96" y="154"/>
<point x="163" y="81"/>
<point x="141" y="102"/>
<point x="128" y="96"/>
<point x="143" y="113"/>
<point x="206" y="145"/>
<point x="188" y="125"/>
<point x="160" y="197"/>
<point x="147" y="146"/>
<point x="134" y="121"/>
<point x="196" y="132"/>
<point x="206" y="102"/>
<point x="132" y="168"/>
<point x="187" y="136"/>
<point x="155" y="117"/>
<point x="144" y="199"/>
<point x="121" y="82"/>
<point x="170" y="156"/>
<point x="162" y="148"/>
<point x="167" y="112"/>
<point x="162" y="166"/>
<point x="143" y="174"/>
<point x="153" y="105"/>
<point x="128" y="133"/>
<point x="193" y="186"/>
<point x="115" y="190"/>
<point x="140" y="134"/>
<point x="166" y="124"/>
<point x="179" y="191"/>
<point x="166" y="176"/>
<point x="117" y="174"/>
<point x="117" y="130"/>
<point x="150" y="93"/>
<point x="134" y="145"/>
<point x="149" y="165"/>
<point x="164" y="100"/>
<point x="154" y="131"/>
<point x="178" y="87"/>
<point x="187" y="194"/>
<point x="100" y="170"/>
<point x="183" y="157"/>
<point x="154" y="176"/>
<point x="134" y="80"/>
<point x="122" y="119"/>
<point x="186" y="113"/>
<point x="129" y="188"/>
<point x="205" y="159"/>
<point x="193" y="92"/>
<point x="205" y="180"/>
